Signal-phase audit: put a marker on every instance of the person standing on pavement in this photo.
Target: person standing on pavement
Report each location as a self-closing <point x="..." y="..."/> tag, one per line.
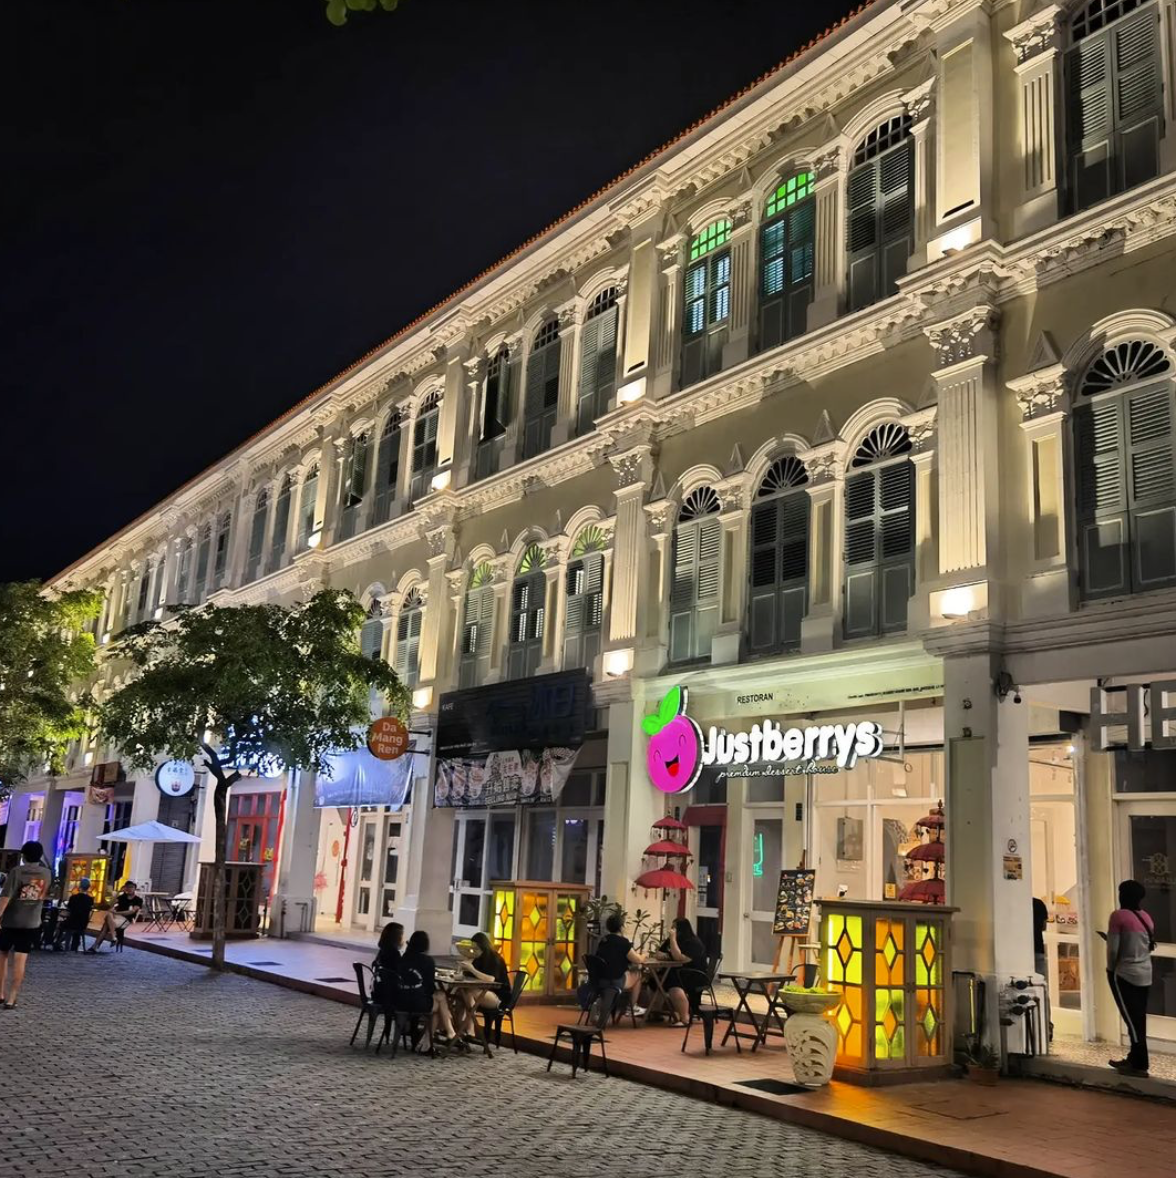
<point x="1130" y="942"/>
<point x="21" y="903"/>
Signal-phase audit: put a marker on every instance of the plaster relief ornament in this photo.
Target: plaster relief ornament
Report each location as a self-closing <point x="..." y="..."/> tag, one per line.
<point x="674" y="755"/>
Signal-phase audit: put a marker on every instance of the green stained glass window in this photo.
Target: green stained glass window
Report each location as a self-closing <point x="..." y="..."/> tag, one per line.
<point x="793" y="189"/>
<point x="713" y="236"/>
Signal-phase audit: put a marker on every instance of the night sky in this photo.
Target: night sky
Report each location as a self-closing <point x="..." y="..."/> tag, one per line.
<point x="210" y="207"/>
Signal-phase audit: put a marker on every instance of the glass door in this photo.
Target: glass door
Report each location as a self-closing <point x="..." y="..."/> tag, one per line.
<point x="1148" y="854"/>
<point x="391" y="866"/>
<point x="365" y="882"/>
<point x="708" y="851"/>
<point x="767" y="858"/>
<point x="469" y="879"/>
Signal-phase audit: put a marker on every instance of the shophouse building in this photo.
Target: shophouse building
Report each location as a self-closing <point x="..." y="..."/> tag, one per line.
<point x="854" y="402"/>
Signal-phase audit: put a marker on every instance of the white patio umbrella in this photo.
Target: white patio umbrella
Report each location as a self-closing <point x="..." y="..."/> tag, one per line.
<point x="149" y="832"/>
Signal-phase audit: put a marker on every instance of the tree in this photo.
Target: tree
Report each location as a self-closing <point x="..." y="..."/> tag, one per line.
<point x="337" y="10"/>
<point x="44" y="653"/>
<point x="231" y="688"/>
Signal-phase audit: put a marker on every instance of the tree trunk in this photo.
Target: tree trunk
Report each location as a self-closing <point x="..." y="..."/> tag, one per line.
<point x="220" y="814"/>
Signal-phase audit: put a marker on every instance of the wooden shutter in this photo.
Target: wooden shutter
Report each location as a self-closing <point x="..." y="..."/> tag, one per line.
<point x="694" y="325"/>
<point x="862" y="234"/>
<point x="371" y="638"/>
<point x="584" y="610"/>
<point x="408" y="646"/>
<point x="424" y="453"/>
<point x="542" y="399"/>
<point x="256" y="539"/>
<point x="1102" y="497"/>
<point x="786" y="274"/>
<point x="778" y="573"/>
<point x="1138" y="96"/>
<point x="896" y="213"/>
<point x="694" y="591"/>
<point x="1151" y="484"/>
<point x="477" y="634"/>
<point x="281" y="525"/>
<point x="1089" y="100"/>
<point x="598" y="369"/>
<point x="387" y="473"/>
<point x="527" y="620"/>
<point x="861" y="573"/>
<point x="896" y="534"/>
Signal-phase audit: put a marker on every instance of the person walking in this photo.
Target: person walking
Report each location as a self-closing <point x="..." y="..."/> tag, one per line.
<point x="21" y="902"/>
<point x="1130" y="942"/>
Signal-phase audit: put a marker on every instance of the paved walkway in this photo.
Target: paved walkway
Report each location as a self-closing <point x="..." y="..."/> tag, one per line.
<point x="1026" y="1129"/>
<point x="223" y="1075"/>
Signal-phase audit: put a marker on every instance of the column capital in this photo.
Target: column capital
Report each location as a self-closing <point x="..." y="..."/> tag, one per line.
<point x="633" y="467"/>
<point x="825" y="465"/>
<point x="920" y="427"/>
<point x="918" y="102"/>
<point x="1037" y="40"/>
<point x="969" y="336"/>
<point x="741" y="214"/>
<point x="1041" y="393"/>
<point x="830" y="165"/>
<point x="670" y="250"/>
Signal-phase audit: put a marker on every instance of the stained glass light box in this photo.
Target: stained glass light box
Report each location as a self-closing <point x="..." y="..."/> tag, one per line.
<point x="539" y="928"/>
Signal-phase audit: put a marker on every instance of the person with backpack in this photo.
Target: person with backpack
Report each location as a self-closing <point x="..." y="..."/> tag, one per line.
<point x="21" y="902"/>
<point x="1131" y="939"/>
<point x="416" y="986"/>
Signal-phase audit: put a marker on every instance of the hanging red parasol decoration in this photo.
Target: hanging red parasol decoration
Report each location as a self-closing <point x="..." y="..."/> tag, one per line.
<point x="668" y="847"/>
<point x="669" y="824"/>
<point x="927" y="853"/>
<point x="664" y="879"/>
<point x="924" y="891"/>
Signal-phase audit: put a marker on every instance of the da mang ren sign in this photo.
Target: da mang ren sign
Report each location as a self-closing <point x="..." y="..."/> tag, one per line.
<point x="678" y="750"/>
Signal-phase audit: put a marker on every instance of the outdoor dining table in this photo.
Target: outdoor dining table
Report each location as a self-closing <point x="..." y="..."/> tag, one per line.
<point x="655" y="969"/>
<point x="157" y="911"/>
<point x="771" y="986"/>
<point x="453" y="987"/>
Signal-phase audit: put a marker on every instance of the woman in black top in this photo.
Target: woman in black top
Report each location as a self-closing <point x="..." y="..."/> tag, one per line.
<point x="416" y="985"/>
<point x="683" y="985"/>
<point x="487" y="966"/>
<point x="387" y="964"/>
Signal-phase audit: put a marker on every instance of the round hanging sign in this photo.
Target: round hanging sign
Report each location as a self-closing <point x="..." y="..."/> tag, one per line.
<point x="387" y="739"/>
<point x="176" y="779"/>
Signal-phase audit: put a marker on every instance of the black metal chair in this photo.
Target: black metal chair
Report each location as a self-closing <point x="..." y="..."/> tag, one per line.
<point x="707" y="1013"/>
<point x="369" y="1008"/>
<point x="492" y="1019"/>
<point x="583" y="1035"/>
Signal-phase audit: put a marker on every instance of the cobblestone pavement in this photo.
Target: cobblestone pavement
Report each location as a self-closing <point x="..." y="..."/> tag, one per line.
<point x="222" y="1075"/>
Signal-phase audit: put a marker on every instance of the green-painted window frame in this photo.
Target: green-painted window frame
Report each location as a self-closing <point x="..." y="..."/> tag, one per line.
<point x="711" y="238"/>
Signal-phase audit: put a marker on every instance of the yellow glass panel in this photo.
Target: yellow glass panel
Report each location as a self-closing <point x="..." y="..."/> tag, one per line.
<point x="851" y="950"/>
<point x="929" y="1023"/>
<point x="889" y="1024"/>
<point x="928" y="960"/>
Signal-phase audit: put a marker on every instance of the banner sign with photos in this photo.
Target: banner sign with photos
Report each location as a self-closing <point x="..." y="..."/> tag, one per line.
<point x="509" y="777"/>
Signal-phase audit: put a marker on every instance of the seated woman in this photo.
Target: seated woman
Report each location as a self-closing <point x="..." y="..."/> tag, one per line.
<point x="415" y="989"/>
<point x="619" y="957"/>
<point x="685" y="948"/>
<point x="387" y="963"/>
<point x="487" y="966"/>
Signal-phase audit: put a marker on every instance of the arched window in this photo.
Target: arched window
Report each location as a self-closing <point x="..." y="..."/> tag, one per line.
<point x="371" y="633"/>
<point x="598" y="360"/>
<point x="708" y="302"/>
<point x="257" y="536"/>
<point x="541" y="403"/>
<point x="881" y="211"/>
<point x="495" y="414"/>
<point x="424" y="446"/>
<point x="408" y="638"/>
<point x="584" y="585"/>
<point x="308" y="508"/>
<point x="281" y="523"/>
<point x="879" y="533"/>
<point x="477" y="629"/>
<point x="528" y="615"/>
<point x="786" y="260"/>
<point x="694" y="586"/>
<point x="1125" y="471"/>
<point x="220" y="564"/>
<point x="203" y="557"/>
<point x="1115" y="97"/>
<point x="353" y="485"/>
<point x="388" y="467"/>
<point x="778" y="566"/>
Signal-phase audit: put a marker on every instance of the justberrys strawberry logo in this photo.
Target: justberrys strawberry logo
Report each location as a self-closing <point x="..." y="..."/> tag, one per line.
<point x="674" y="756"/>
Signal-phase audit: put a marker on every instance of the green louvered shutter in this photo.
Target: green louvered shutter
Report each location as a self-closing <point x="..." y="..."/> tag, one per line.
<point x="408" y="646"/>
<point x="598" y="369"/>
<point x="896" y="527"/>
<point x="778" y="573"/>
<point x="387" y="469"/>
<point x="1088" y="68"/>
<point x="281" y="525"/>
<point x="371" y="638"/>
<point x="257" y="537"/>
<point x="1151" y="484"/>
<point x="528" y="615"/>
<point x="1100" y="448"/>
<point x="862" y="237"/>
<point x="694" y="590"/>
<point x="786" y="274"/>
<point x="477" y="634"/>
<point x="541" y="403"/>
<point x="896" y="214"/>
<point x="584" y="610"/>
<point x="861" y="573"/>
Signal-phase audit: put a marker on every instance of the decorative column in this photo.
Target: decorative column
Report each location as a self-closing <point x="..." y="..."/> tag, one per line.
<point x="474" y="385"/>
<point x="919" y="107"/>
<point x="669" y="341"/>
<point x="440" y="535"/>
<point x="725" y="646"/>
<point x="569" y="367"/>
<point x="825" y="487"/>
<point x="1044" y="400"/>
<point x="453" y="404"/>
<point x="330" y="487"/>
<point x="634" y="474"/>
<point x="656" y="628"/>
<point x="921" y="429"/>
<point x="294" y="901"/>
<point x="512" y="441"/>
<point x="829" y="170"/>
<point x="1036" y="43"/>
<point x="743" y="284"/>
<point x="639" y="313"/>
<point x="503" y="576"/>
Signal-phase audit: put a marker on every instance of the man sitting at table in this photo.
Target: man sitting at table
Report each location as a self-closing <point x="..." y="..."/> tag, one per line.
<point x="682" y="985"/>
<point x="125" y="911"/>
<point x="620" y="958"/>
<point x="78" y="910"/>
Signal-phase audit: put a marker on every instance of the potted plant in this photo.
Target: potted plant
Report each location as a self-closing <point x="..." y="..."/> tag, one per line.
<point x="594" y="913"/>
<point x="983" y="1064"/>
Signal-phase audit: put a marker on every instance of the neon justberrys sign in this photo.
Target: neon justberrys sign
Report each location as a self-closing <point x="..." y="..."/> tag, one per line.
<point x="678" y="750"/>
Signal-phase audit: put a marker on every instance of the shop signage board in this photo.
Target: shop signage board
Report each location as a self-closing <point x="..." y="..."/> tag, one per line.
<point x="175" y="779"/>
<point x="679" y="749"/>
<point x="387" y="739"/>
<point x="357" y="778"/>
<point x="1145" y="710"/>
<point x="794" y="903"/>
<point x="510" y="743"/>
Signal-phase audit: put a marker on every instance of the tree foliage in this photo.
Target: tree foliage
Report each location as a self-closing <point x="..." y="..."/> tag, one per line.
<point x="44" y="654"/>
<point x="231" y="688"/>
<point x="337" y="10"/>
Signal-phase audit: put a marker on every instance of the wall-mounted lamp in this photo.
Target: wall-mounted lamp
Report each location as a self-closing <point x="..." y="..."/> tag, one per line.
<point x="422" y="698"/>
<point x="315" y="538"/>
<point x="441" y="480"/>
<point x="618" y="662"/>
<point x="958" y="602"/>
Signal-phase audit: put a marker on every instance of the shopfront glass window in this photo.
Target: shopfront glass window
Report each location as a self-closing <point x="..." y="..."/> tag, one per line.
<point x="502" y="836"/>
<point x="1153" y="863"/>
<point x="1143" y="772"/>
<point x="1161" y="998"/>
<point x="766" y="860"/>
<point x="473" y="851"/>
<point x="541" y="846"/>
<point x="765" y="789"/>
<point x="574" y="851"/>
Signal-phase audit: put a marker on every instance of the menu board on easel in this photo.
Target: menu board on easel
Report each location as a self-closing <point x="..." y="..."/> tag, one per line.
<point x="794" y="903"/>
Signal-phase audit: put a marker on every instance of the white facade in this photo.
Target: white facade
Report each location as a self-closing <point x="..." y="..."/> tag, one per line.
<point x="860" y="392"/>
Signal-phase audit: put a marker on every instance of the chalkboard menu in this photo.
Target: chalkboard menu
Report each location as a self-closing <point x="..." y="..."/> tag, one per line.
<point x="794" y="903"/>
